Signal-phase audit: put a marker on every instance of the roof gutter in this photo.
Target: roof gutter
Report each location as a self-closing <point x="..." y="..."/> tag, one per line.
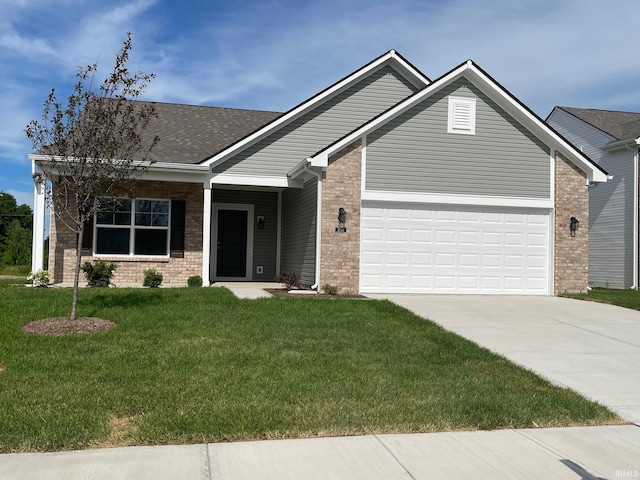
<point x="634" y="149"/>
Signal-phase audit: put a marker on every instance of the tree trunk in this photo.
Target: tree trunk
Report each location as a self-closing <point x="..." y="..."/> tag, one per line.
<point x="76" y="274"/>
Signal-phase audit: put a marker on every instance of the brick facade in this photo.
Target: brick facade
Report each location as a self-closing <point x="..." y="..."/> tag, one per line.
<point x="571" y="254"/>
<point x="130" y="270"/>
<point x="340" y="252"/>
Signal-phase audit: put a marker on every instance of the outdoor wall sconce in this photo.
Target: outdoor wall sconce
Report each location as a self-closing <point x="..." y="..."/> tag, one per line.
<point x="260" y="222"/>
<point x="342" y="219"/>
<point x="573" y="226"/>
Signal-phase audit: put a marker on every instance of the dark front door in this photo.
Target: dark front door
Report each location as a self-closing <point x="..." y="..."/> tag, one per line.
<point x="231" y="260"/>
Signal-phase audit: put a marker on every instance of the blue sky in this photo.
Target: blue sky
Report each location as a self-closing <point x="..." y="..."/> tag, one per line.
<point x="273" y="54"/>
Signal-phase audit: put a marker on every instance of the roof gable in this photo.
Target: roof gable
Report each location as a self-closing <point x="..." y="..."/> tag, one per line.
<point x="391" y="58"/>
<point x="498" y="94"/>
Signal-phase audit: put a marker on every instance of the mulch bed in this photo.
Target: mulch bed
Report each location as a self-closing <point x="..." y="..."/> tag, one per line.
<point x="58" y="326"/>
<point x="281" y="292"/>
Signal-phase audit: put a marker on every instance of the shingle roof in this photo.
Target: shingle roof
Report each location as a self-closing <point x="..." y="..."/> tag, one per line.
<point x="190" y="133"/>
<point x="621" y="125"/>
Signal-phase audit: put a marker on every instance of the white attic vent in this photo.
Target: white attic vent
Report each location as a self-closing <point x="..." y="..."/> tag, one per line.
<point x="462" y="115"/>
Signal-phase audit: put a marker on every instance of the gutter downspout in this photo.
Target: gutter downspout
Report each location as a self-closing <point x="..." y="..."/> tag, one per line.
<point x="315" y="286"/>
<point x="635" y="214"/>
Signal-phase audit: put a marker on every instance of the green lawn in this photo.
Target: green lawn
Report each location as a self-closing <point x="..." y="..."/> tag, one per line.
<point x="198" y="365"/>
<point x="623" y="298"/>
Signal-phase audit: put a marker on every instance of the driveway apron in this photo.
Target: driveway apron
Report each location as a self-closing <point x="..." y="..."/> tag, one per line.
<point x="590" y="347"/>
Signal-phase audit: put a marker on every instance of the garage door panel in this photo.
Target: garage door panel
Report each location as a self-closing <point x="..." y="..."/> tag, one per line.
<point x="448" y="250"/>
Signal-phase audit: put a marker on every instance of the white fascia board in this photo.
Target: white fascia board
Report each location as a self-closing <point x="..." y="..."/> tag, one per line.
<point x="391" y="57"/>
<point x="255" y="181"/>
<point x="533" y="124"/>
<point x="443" y="199"/>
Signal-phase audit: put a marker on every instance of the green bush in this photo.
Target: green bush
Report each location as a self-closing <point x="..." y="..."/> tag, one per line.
<point x="99" y="273"/>
<point x="152" y="278"/>
<point x="195" y="281"/>
<point x="330" y="289"/>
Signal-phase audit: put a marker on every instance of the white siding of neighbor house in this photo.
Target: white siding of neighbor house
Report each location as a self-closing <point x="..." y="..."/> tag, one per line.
<point x="282" y="150"/>
<point x="413" y="153"/>
<point x="610" y="204"/>
<point x="298" y="243"/>
<point x="611" y="223"/>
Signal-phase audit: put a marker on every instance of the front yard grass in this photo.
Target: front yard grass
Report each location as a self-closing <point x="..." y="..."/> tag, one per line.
<point x="622" y="298"/>
<point x="197" y="365"/>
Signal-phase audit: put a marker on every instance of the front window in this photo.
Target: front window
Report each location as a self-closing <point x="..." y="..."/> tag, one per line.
<point x="133" y="227"/>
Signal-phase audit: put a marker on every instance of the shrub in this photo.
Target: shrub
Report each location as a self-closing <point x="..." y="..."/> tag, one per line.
<point x="330" y="289"/>
<point x="152" y="278"/>
<point x="99" y="273"/>
<point x="290" y="279"/>
<point x="39" y="278"/>
<point x="195" y="281"/>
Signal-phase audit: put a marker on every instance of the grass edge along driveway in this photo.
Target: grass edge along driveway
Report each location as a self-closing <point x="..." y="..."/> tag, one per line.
<point x="196" y="365"/>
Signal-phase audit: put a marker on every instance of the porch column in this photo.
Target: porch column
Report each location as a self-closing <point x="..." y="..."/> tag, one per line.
<point x="37" y="243"/>
<point x="206" y="235"/>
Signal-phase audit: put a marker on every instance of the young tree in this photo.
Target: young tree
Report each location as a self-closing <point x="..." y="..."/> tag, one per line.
<point x="93" y="146"/>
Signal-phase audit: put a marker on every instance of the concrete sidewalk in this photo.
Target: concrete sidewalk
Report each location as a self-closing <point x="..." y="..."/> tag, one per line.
<point x="586" y="453"/>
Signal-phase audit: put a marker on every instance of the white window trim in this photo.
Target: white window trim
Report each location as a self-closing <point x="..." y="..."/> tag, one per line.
<point x="132" y="227"/>
<point x="454" y="124"/>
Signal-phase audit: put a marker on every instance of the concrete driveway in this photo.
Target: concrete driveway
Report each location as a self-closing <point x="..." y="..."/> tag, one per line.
<point x="590" y="347"/>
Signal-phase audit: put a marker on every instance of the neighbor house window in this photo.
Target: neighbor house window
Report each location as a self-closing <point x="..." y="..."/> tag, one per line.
<point x="133" y="227"/>
<point x="462" y="115"/>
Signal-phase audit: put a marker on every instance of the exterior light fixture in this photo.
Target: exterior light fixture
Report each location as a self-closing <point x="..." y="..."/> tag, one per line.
<point x="573" y="226"/>
<point x="260" y="221"/>
<point x="342" y="219"/>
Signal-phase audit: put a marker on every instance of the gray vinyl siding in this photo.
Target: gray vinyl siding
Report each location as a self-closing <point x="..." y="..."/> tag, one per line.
<point x="413" y="153"/>
<point x="278" y="153"/>
<point x="583" y="136"/>
<point x="610" y="203"/>
<point x="265" y="240"/>
<point x="611" y="223"/>
<point x="298" y="239"/>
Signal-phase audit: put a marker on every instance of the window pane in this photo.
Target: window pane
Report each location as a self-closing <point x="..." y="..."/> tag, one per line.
<point x="112" y="241"/>
<point x="104" y="218"/>
<point x="122" y="205"/>
<point x="161" y="206"/>
<point x="160" y="220"/>
<point x="143" y="206"/>
<point x="123" y="218"/>
<point x="150" y="242"/>
<point x="143" y="219"/>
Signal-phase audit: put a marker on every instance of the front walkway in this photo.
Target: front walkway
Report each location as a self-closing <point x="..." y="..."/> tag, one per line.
<point x="590" y="347"/>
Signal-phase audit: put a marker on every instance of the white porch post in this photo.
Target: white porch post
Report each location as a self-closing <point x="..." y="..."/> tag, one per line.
<point x="206" y="234"/>
<point x="37" y="244"/>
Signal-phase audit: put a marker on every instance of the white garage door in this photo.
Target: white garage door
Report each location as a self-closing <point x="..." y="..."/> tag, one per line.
<point x="479" y="250"/>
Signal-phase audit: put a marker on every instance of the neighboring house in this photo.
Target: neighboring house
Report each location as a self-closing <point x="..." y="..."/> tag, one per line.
<point x="449" y="186"/>
<point x="611" y="139"/>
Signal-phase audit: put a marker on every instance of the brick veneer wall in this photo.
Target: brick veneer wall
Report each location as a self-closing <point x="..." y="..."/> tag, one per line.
<point x="130" y="270"/>
<point x="340" y="252"/>
<point x="571" y="258"/>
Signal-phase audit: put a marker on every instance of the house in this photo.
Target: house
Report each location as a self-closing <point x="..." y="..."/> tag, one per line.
<point x="611" y="139"/>
<point x="385" y="181"/>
